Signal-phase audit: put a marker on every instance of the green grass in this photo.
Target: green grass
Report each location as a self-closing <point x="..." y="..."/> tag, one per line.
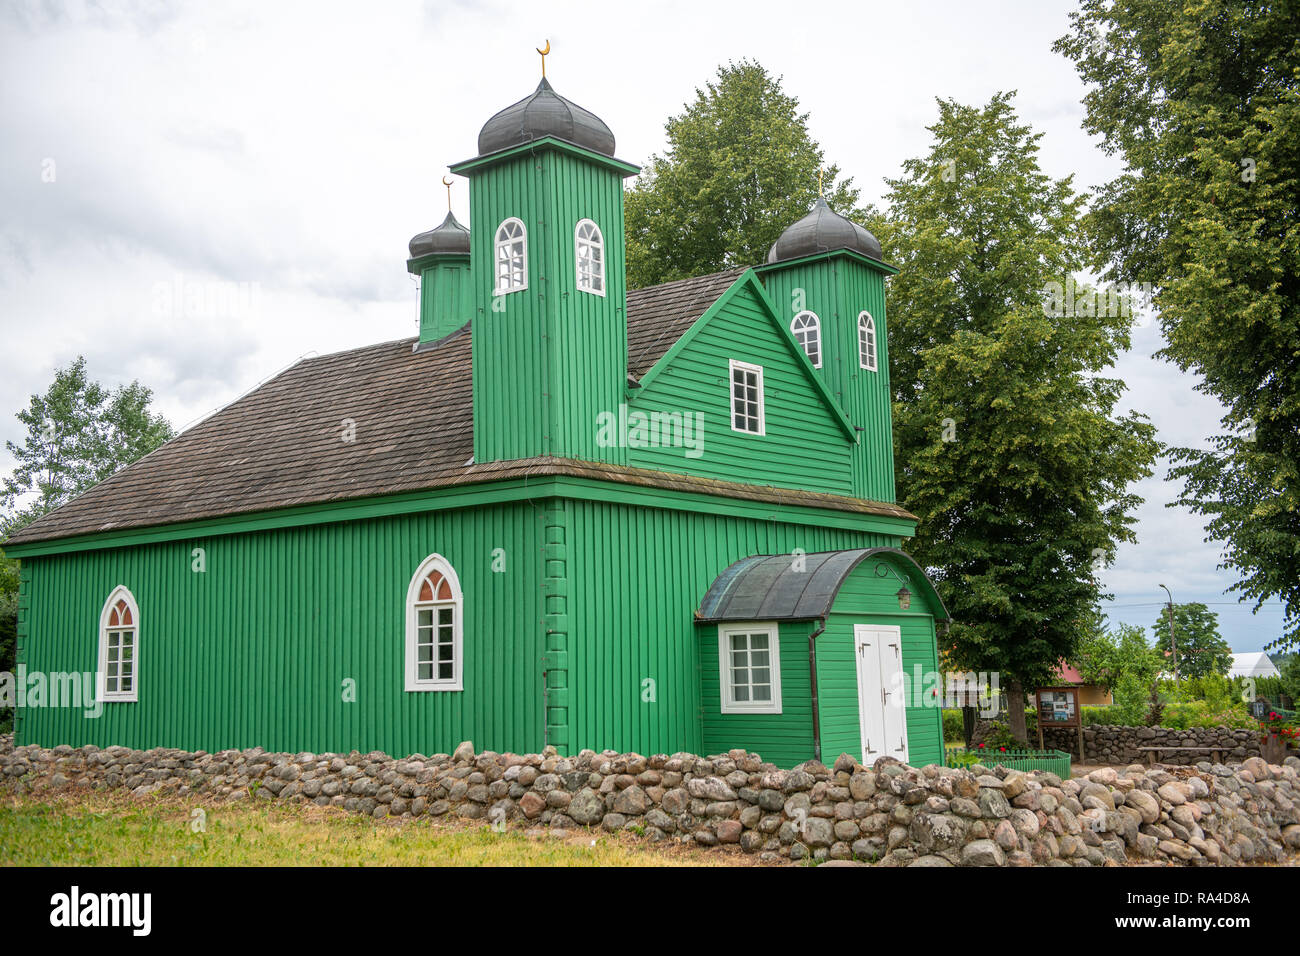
<point x="116" y="830"/>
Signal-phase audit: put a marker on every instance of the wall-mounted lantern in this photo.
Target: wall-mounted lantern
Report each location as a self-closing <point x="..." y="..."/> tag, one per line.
<point x="903" y="594"/>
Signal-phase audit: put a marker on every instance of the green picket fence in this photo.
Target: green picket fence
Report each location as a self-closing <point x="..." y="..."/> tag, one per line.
<point x="1053" y="761"/>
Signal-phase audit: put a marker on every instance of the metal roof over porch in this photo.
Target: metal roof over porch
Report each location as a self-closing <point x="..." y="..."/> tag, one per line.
<point x="786" y="587"/>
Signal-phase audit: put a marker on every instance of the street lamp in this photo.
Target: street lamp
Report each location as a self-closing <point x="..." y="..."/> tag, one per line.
<point x="1173" y="638"/>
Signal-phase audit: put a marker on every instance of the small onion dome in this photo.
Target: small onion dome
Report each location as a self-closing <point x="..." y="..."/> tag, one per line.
<point x="545" y="113"/>
<point x="823" y="230"/>
<point x="451" y="238"/>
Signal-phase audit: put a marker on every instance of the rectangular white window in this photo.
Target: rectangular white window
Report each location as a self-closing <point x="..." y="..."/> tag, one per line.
<point x="119" y="663"/>
<point x="747" y="398"/>
<point x="749" y="669"/>
<point x="435" y="644"/>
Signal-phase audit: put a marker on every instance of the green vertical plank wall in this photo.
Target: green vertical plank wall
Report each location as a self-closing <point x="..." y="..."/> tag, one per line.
<point x="446" y="296"/>
<point x="785" y="739"/>
<point x="547" y="359"/>
<point x="639" y="575"/>
<point x="255" y="650"/>
<point x="837" y="288"/>
<point x="868" y="599"/>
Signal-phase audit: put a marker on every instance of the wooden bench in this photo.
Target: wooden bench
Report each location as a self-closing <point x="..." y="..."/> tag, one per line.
<point x="1153" y="752"/>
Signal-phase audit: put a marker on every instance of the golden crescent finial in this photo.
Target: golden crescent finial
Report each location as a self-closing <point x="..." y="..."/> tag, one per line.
<point x="820" y="190"/>
<point x="543" y="53"/>
<point x="447" y="182"/>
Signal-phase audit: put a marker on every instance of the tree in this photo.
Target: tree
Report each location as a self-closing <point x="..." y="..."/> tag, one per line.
<point x="1105" y="656"/>
<point x="1201" y="650"/>
<point x="78" y="433"/>
<point x="1289" y="668"/>
<point x="1202" y="102"/>
<point x="1006" y="438"/>
<point x="740" y="167"/>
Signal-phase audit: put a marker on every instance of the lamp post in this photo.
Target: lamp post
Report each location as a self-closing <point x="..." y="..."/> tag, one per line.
<point x="1173" y="638"/>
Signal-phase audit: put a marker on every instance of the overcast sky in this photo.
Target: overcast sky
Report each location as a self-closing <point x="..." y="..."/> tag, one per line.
<point x="274" y="158"/>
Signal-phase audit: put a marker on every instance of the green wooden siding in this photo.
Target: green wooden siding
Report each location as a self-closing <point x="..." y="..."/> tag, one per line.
<point x="868" y="599"/>
<point x="548" y="359"/>
<point x="837" y="288"/>
<point x="446" y="296"/>
<point x="255" y="650"/>
<point x="639" y="575"/>
<point x="805" y="445"/>
<point x="786" y="738"/>
<point x="597" y="594"/>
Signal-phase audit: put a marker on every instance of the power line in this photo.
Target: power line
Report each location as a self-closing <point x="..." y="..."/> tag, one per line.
<point x="1235" y="604"/>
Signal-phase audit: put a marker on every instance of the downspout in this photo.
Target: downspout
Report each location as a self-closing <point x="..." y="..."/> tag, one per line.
<point x="812" y="683"/>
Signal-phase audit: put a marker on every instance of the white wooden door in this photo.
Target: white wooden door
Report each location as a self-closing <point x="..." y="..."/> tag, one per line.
<point x="881" y="705"/>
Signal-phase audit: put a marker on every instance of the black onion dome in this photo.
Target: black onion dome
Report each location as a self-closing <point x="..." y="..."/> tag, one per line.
<point x="451" y="238"/>
<point x="823" y="230"/>
<point x="545" y="113"/>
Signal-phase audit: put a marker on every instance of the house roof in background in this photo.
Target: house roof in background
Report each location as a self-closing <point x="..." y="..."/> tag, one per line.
<point x="1253" y="664"/>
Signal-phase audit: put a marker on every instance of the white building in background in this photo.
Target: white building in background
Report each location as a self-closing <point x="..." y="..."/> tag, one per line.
<point x="1252" y="664"/>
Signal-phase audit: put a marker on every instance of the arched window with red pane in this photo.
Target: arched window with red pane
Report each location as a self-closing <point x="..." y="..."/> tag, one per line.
<point x="434" y="608"/>
<point x="119" y="647"/>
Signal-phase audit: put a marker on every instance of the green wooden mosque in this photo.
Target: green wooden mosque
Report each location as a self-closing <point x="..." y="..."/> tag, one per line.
<point x="567" y="513"/>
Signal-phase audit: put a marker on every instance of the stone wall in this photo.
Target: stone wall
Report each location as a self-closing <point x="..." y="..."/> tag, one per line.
<point x="1108" y="743"/>
<point x="889" y="813"/>
<point x="1115" y="744"/>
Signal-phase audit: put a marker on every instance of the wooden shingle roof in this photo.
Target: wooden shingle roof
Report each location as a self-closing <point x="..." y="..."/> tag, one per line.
<point x="410" y="416"/>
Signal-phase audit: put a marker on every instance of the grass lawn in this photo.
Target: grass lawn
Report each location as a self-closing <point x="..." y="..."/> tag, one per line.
<point x="103" y="829"/>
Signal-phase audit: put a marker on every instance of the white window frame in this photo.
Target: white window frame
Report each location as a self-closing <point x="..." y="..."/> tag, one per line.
<point x="813" y="331"/>
<point x="597" y="242"/>
<point x="502" y="244"/>
<point x="726" y="690"/>
<point x="731" y="396"/>
<point x="867" y="356"/>
<point x="435" y="562"/>
<point x="119" y="593"/>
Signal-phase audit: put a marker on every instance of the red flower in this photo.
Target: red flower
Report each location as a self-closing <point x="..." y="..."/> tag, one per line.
<point x="1272" y="715"/>
<point x="981" y="746"/>
<point x="1002" y="748"/>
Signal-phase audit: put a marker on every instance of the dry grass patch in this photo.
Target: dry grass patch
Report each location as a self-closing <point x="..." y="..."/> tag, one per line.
<point x="79" y="828"/>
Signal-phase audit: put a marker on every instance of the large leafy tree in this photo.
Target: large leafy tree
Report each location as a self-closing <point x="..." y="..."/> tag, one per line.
<point x="1202" y="102"/>
<point x="1202" y="651"/>
<point x="740" y="167"/>
<point x="78" y="433"/>
<point x="1105" y="657"/>
<point x="1008" y="444"/>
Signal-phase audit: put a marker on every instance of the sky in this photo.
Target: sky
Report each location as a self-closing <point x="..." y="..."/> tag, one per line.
<point x="196" y="195"/>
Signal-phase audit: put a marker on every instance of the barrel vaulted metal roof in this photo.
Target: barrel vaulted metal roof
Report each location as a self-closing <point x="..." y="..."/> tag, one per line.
<point x="783" y="587"/>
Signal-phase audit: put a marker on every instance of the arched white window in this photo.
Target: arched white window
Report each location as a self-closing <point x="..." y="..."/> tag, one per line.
<point x="589" y="251"/>
<point x="867" y="341"/>
<point x="434" y="611"/>
<point x="808" y="333"/>
<point x="512" y="257"/>
<point x="118" y="676"/>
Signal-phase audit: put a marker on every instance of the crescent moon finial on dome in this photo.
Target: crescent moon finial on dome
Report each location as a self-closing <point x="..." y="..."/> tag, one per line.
<point x="544" y="53"/>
